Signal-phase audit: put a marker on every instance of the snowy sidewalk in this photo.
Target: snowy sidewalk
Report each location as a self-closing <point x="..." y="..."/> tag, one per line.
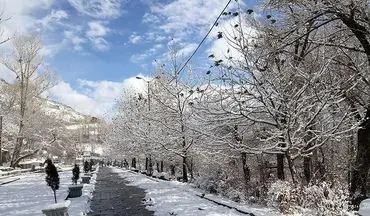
<point x="113" y="197"/>
<point x="30" y="194"/>
<point x="176" y="198"/>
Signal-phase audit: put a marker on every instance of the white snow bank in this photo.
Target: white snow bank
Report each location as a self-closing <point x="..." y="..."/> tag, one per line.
<point x="29" y="195"/>
<point x="175" y="198"/>
<point x="81" y="205"/>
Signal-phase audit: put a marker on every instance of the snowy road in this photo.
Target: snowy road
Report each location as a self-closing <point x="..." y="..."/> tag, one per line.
<point x="113" y="197"/>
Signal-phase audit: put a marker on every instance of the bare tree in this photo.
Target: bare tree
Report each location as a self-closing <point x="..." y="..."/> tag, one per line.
<point x="32" y="78"/>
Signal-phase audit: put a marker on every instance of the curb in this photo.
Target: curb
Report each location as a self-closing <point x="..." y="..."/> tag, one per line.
<point x="225" y="205"/>
<point x="9" y="181"/>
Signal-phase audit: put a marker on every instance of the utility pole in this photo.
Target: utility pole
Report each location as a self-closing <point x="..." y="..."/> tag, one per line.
<point x="1" y="146"/>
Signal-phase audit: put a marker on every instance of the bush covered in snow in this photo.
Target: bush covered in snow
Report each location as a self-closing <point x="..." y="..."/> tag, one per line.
<point x="283" y="196"/>
<point x="325" y="199"/>
<point x="222" y="179"/>
<point x="319" y="200"/>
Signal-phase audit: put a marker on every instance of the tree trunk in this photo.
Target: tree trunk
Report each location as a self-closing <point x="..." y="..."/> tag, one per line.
<point x="246" y="170"/>
<point x="280" y="166"/>
<point x="55" y="196"/>
<point x="150" y="166"/>
<point x="263" y="174"/>
<point x="307" y="165"/>
<point x="172" y="168"/>
<point x="292" y="170"/>
<point x="18" y="145"/>
<point x="361" y="167"/>
<point x="16" y="152"/>
<point x="133" y="163"/>
<point x="1" y="132"/>
<point x="162" y="165"/>
<point x="189" y="165"/>
<point x="157" y="166"/>
<point x="191" y="169"/>
<point x="23" y="106"/>
<point x="307" y="160"/>
<point x="184" y="169"/>
<point x="147" y="164"/>
<point x="351" y="153"/>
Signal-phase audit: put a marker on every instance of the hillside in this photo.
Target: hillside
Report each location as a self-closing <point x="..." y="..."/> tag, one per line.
<point x="63" y="112"/>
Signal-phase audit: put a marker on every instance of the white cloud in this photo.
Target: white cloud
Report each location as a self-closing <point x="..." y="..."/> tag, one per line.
<point x="134" y="38"/>
<point x="151" y="18"/>
<point x="101" y="9"/>
<point x="97" y="31"/>
<point x="188" y="16"/>
<point x="20" y="14"/>
<point x="55" y="17"/>
<point x="155" y="36"/>
<point x="100" y="44"/>
<point x="64" y="93"/>
<point x="73" y="37"/>
<point x="181" y="22"/>
<point x="140" y="57"/>
<point x="49" y="50"/>
<point x="94" y="97"/>
<point x="186" y="50"/>
<point x="103" y="91"/>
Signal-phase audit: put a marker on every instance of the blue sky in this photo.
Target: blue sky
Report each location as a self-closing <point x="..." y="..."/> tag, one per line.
<point x="97" y="47"/>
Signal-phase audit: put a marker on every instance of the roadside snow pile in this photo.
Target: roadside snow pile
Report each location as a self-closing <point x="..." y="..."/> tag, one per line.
<point x="175" y="198"/>
<point x="161" y="175"/>
<point x="81" y="205"/>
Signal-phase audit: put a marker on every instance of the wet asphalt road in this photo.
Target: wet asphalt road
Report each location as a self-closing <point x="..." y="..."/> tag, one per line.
<point x="113" y="197"/>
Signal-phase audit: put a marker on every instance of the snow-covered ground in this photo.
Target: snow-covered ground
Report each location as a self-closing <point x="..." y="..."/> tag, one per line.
<point x="29" y="195"/>
<point x="176" y="198"/>
<point x="81" y="205"/>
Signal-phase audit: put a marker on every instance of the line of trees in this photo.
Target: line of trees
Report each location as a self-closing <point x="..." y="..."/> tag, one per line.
<point x="287" y="102"/>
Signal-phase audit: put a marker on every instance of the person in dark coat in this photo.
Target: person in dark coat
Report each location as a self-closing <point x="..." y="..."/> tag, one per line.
<point x="76" y="173"/>
<point x="86" y="166"/>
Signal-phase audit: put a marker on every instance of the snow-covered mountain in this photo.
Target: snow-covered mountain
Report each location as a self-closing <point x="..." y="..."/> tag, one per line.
<point x="63" y="112"/>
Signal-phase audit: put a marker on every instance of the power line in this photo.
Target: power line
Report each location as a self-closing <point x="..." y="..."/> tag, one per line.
<point x="205" y="37"/>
